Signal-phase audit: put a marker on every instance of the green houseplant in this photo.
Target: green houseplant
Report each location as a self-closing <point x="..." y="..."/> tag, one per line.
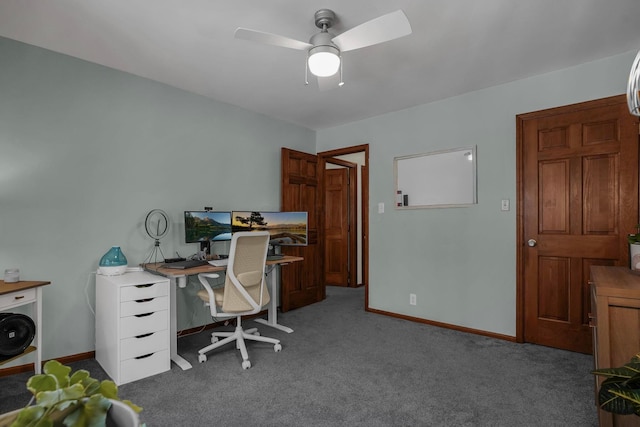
<point x="620" y="391"/>
<point x="634" y="238"/>
<point x="69" y="399"/>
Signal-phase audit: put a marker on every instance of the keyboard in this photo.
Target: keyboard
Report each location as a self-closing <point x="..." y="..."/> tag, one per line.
<point x="219" y="262"/>
<point x="181" y="265"/>
<point x="274" y="257"/>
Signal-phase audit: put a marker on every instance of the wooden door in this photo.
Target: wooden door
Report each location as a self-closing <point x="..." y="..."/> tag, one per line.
<point x="302" y="283"/>
<point x="340" y="224"/>
<point x="578" y="199"/>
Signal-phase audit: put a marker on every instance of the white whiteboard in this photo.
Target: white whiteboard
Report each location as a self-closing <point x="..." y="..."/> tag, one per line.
<point x="438" y="179"/>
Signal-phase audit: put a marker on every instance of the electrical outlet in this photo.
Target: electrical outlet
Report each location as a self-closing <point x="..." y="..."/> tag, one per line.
<point x="413" y="299"/>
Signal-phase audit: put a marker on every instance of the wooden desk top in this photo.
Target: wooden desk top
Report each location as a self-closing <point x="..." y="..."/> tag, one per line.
<point x="7" y="288"/>
<point x="175" y="272"/>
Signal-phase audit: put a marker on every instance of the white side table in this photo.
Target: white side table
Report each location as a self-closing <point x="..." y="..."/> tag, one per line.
<point x="17" y="294"/>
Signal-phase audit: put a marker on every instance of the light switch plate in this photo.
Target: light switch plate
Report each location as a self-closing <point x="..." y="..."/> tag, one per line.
<point x="505" y="205"/>
<point x="381" y="207"/>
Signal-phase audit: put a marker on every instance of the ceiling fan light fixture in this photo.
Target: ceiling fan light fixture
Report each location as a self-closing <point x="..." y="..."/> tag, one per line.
<point x="324" y="61"/>
<point x="324" y="50"/>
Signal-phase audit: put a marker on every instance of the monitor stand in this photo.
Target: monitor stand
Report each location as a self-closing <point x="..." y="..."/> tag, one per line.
<point x="205" y="246"/>
<point x="272" y="249"/>
<point x="272" y="254"/>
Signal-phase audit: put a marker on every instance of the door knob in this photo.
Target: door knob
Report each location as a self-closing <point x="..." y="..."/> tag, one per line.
<point x="532" y="242"/>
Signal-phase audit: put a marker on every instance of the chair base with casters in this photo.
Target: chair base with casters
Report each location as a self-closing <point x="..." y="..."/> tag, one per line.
<point x="239" y="336"/>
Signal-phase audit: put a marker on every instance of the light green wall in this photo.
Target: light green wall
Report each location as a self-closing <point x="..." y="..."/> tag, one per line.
<point x="460" y="262"/>
<point x="86" y="152"/>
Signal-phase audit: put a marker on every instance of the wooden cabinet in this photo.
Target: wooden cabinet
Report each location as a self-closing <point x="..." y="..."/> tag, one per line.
<point x="132" y="325"/>
<point x="615" y="318"/>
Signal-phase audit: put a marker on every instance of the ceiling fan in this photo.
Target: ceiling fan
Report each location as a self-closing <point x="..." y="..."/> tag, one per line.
<point x="324" y="50"/>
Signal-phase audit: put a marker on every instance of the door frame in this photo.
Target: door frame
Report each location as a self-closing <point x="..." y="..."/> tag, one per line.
<point x="520" y="196"/>
<point x="364" y="189"/>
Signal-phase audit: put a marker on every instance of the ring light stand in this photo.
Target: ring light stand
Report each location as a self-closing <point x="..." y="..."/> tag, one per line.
<point x="157" y="226"/>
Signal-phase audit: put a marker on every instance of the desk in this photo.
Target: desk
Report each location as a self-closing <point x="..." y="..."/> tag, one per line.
<point x="21" y="293"/>
<point x="178" y="278"/>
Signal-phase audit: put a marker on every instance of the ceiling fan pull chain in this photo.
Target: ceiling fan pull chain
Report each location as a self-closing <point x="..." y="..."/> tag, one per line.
<point x="306" y="71"/>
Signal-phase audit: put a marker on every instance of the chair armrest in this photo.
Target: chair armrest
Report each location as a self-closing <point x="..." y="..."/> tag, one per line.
<point x="237" y="283"/>
<point x="202" y="277"/>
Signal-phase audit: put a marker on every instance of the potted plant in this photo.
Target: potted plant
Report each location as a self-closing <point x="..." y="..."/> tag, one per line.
<point x="73" y="400"/>
<point x="620" y="391"/>
<point x="634" y="248"/>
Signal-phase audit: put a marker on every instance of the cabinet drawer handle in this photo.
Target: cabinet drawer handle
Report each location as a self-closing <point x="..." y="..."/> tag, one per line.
<point x="144" y="335"/>
<point x="145" y="285"/>
<point x="18" y="297"/>
<point x="144" y="314"/>
<point x="144" y="300"/>
<point x="144" y="356"/>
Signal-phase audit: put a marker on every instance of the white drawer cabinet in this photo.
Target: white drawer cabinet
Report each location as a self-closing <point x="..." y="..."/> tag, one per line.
<point x="132" y="325"/>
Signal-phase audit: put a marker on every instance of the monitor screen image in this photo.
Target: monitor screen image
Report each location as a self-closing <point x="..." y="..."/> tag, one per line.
<point x="204" y="226"/>
<point x="286" y="228"/>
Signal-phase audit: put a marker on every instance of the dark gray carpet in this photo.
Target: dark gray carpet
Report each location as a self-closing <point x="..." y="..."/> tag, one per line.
<point x="345" y="367"/>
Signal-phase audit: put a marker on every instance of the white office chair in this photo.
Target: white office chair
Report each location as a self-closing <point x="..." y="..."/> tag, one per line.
<point x="244" y="293"/>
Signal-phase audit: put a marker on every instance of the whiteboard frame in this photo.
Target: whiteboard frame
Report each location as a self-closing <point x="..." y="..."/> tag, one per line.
<point x="462" y="181"/>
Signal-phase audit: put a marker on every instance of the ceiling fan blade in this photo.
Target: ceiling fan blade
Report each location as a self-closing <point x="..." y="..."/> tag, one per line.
<point x="272" y="39"/>
<point x="379" y="30"/>
<point x="329" y="83"/>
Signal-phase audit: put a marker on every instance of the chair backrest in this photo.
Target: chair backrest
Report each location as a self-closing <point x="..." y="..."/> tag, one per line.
<point x="245" y="289"/>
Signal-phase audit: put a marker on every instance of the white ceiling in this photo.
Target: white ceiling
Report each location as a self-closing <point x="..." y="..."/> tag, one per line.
<point x="456" y="46"/>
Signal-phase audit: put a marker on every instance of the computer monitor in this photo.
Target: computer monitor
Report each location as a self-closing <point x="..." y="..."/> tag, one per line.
<point x="286" y="228"/>
<point x="206" y="226"/>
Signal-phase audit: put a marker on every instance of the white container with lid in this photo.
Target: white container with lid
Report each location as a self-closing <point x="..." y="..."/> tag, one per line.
<point x="11" y="275"/>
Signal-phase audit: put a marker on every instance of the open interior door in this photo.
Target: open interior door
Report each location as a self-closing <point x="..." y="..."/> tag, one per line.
<point x="302" y="283"/>
<point x="340" y="223"/>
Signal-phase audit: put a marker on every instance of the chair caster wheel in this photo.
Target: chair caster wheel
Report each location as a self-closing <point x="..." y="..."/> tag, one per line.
<point x="214" y="340"/>
<point x="256" y="333"/>
<point x="277" y="347"/>
<point x="202" y="358"/>
<point x="246" y="364"/>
